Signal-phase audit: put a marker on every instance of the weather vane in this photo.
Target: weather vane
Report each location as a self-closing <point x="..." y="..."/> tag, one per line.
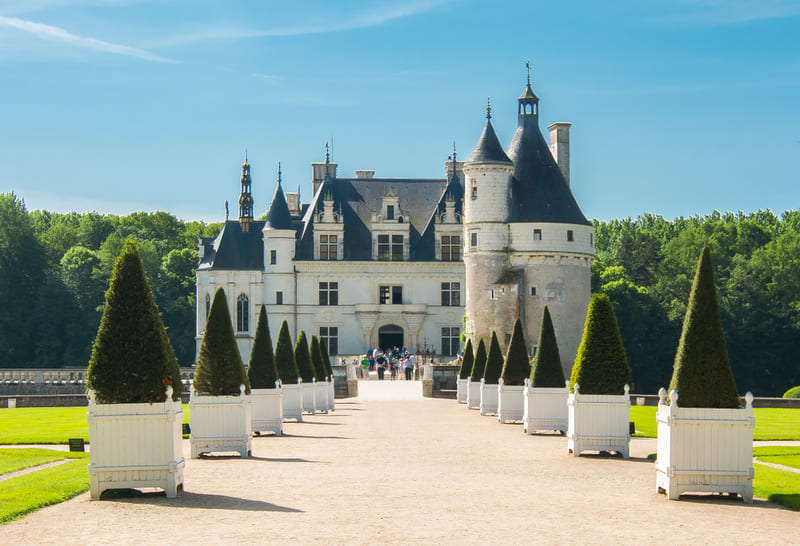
<point x="528" y="66"/>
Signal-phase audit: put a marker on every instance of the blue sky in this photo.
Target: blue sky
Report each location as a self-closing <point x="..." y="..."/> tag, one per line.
<point x="678" y="107"/>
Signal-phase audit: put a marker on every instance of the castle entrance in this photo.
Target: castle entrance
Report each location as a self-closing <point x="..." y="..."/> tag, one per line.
<point x="389" y="336"/>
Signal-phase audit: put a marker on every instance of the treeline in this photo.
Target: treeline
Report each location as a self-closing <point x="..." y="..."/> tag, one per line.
<point x="55" y="268"/>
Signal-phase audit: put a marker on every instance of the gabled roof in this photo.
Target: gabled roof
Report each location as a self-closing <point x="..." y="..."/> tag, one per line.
<point x="488" y="149"/>
<point x="234" y="249"/>
<point x="278" y="216"/>
<point x="426" y="246"/>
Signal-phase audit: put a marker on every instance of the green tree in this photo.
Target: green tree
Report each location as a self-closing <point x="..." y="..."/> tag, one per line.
<point x="479" y="366"/>
<point x="516" y="367"/>
<point x="326" y="359"/>
<point x="316" y="359"/>
<point x="546" y="370"/>
<point x="284" y="357"/>
<point x="601" y="366"/>
<point x="467" y="361"/>
<point x="132" y="359"/>
<point x="219" y="369"/>
<point x="303" y="358"/>
<point x="494" y="362"/>
<point x="702" y="374"/>
<point x="262" y="371"/>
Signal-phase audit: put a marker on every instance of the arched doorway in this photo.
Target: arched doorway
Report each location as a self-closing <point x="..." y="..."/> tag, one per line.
<point x="389" y="336"/>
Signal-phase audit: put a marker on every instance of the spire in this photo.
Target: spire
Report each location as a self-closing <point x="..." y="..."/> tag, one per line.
<point x="245" y="197"/>
<point x="279" y="173"/>
<point x="488" y="108"/>
<point x="528" y="101"/>
<point x="488" y="149"/>
<point x="327" y="154"/>
<point x="278" y="215"/>
<point x="528" y="66"/>
<point x="454" y="151"/>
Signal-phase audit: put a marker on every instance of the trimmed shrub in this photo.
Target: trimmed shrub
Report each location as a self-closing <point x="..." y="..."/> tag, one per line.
<point x="219" y="369"/>
<point x="479" y="366"/>
<point x="326" y="359"/>
<point x="517" y="367"/>
<point x="284" y="357"/>
<point x="262" y="370"/>
<point x="794" y="392"/>
<point x="303" y="358"/>
<point x="316" y="359"/>
<point x="601" y="366"/>
<point x="467" y="361"/>
<point x="494" y="362"/>
<point x="132" y="360"/>
<point x="702" y="373"/>
<point x="546" y="370"/>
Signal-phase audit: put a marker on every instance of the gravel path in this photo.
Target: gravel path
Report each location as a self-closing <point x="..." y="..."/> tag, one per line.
<point x="411" y="471"/>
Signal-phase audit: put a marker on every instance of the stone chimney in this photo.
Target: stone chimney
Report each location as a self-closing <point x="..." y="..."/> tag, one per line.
<point x="293" y="203"/>
<point x="559" y="146"/>
<point x="365" y="174"/>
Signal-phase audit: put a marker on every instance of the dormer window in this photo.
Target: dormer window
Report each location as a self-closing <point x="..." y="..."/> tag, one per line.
<point x="390" y="212"/>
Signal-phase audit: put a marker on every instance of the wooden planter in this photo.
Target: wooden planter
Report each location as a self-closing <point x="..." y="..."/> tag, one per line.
<point x="310" y="397"/>
<point x="267" y="409"/>
<point x="461" y="390"/>
<point x="220" y="423"/>
<point x="331" y="393"/>
<point x="293" y="401"/>
<point x="509" y="402"/>
<point x="599" y="422"/>
<point x="488" y="398"/>
<point x="321" y="396"/>
<point x="135" y="445"/>
<point x="473" y="394"/>
<point x="545" y="408"/>
<point x="706" y="450"/>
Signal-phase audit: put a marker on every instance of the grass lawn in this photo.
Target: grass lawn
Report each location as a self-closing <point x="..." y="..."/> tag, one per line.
<point x="47" y="425"/>
<point x="785" y="455"/>
<point x="29" y="492"/>
<point x="771" y="423"/>
<point x="13" y="459"/>
<point x="778" y="486"/>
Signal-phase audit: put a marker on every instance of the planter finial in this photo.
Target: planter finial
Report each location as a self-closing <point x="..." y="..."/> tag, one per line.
<point x="627" y="389"/>
<point x="673" y="397"/>
<point x="577" y="388"/>
<point x="169" y="393"/>
<point x="241" y="389"/>
<point x="748" y="398"/>
<point x="662" y="396"/>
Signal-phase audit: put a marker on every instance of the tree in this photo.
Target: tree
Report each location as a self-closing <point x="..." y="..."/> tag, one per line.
<point x="702" y="374"/>
<point x="467" y="361"/>
<point x="494" y="362"/>
<point x="303" y="358"/>
<point x="479" y="366"/>
<point x="601" y="366"/>
<point x="547" y="370"/>
<point x="219" y="368"/>
<point x="516" y="367"/>
<point x="326" y="359"/>
<point x="262" y="371"/>
<point x="316" y="359"/>
<point x="284" y="357"/>
<point x="132" y="360"/>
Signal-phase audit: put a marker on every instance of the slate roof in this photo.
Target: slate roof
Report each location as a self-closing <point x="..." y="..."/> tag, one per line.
<point x="278" y="216"/>
<point x="488" y="149"/>
<point x="234" y="249"/>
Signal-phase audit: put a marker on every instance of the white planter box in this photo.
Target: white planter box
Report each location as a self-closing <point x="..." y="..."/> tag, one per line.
<point x="599" y="422"/>
<point x="310" y="397"/>
<point x="135" y="445"/>
<point x="509" y="402"/>
<point x="461" y="390"/>
<point x="545" y="408"/>
<point x="704" y="449"/>
<point x="488" y="398"/>
<point x="473" y="394"/>
<point x="293" y="401"/>
<point x="331" y="393"/>
<point x="267" y="409"/>
<point x="321" y="396"/>
<point x="220" y="423"/>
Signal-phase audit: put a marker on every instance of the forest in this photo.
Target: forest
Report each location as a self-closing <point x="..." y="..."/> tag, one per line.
<point x="55" y="268"/>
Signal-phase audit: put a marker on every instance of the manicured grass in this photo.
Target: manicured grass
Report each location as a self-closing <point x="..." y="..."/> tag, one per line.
<point x="29" y="492"/>
<point x="778" y="486"/>
<point x="47" y="425"/>
<point x="785" y="455"/>
<point x="771" y="423"/>
<point x="13" y="459"/>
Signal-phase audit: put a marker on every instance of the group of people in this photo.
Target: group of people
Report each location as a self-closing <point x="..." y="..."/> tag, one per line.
<point x="395" y="359"/>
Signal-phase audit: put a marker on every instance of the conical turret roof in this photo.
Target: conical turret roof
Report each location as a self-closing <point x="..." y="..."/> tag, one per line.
<point x="278" y="216"/>
<point x="488" y="149"/>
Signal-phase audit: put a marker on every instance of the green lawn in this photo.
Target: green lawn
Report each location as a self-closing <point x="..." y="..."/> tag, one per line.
<point x="47" y="425"/>
<point x="771" y="423"/>
<point x="785" y="455"/>
<point x="778" y="486"/>
<point x="13" y="459"/>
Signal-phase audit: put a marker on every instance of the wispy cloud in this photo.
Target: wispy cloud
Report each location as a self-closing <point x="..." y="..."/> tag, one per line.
<point x="56" y="34"/>
<point x="266" y="77"/>
<point x="730" y="12"/>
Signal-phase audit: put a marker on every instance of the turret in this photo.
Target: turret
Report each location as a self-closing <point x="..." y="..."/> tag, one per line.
<point x="245" y="198"/>
<point x="278" y="233"/>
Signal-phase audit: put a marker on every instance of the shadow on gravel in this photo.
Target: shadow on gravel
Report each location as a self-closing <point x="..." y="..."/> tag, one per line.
<point x="724" y="499"/>
<point x="255" y="458"/>
<point x="316" y="437"/>
<point x="307" y="422"/>
<point x="187" y="499"/>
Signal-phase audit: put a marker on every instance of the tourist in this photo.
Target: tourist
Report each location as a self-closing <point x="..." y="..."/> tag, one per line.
<point x="409" y="367"/>
<point x="364" y="367"/>
<point x="380" y="362"/>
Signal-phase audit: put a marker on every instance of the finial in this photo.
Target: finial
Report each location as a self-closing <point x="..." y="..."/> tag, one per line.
<point x="245" y="155"/>
<point x="327" y="153"/>
<point x="488" y="108"/>
<point x="454" y="151"/>
<point x="279" y="172"/>
<point x="528" y="66"/>
<point x="226" y="210"/>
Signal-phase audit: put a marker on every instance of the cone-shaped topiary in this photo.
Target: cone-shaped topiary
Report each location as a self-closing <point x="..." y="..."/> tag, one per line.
<point x="303" y="358"/>
<point x="219" y="369"/>
<point x="132" y="360"/>
<point x="601" y="366"/>
<point x="517" y="366"/>
<point x="316" y="359"/>
<point x="494" y="362"/>
<point x="467" y="361"/>
<point x="284" y="357"/>
<point x="702" y="373"/>
<point x="546" y="370"/>
<point x="262" y="370"/>
<point x="326" y="359"/>
<point x="479" y="366"/>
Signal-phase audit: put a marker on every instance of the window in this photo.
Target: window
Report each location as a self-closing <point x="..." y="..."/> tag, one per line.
<point x="390" y="247"/>
<point x="390" y="212"/>
<point x="390" y="295"/>
<point x="474" y="193"/>
<point x="208" y="304"/>
<point x="450" y="341"/>
<point x="279" y="298"/>
<point x="242" y="313"/>
<point x="327" y="247"/>
<point x="451" y="248"/>
<point x="273" y="257"/>
<point x="570" y="235"/>
<point x="329" y="335"/>
<point x="533" y="291"/>
<point x="537" y="234"/>
<point x="329" y="293"/>
<point x="451" y="294"/>
<point x="473" y="239"/>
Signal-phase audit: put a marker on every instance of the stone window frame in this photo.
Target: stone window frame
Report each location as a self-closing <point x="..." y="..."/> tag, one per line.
<point x="330" y="335"/>
<point x="451" y="294"/>
<point x="328" y="293"/>
<point x="242" y="313"/>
